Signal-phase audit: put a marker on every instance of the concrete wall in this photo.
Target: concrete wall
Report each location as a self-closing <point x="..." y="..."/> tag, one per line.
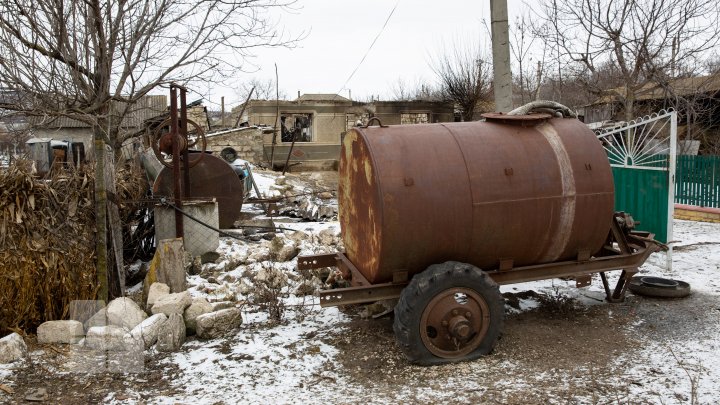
<point x="328" y="119"/>
<point x="198" y="239"/>
<point x="331" y="119"/>
<point x="391" y="112"/>
<point x="330" y="122"/>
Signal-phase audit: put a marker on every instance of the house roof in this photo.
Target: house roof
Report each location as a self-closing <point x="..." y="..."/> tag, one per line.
<point x="321" y="97"/>
<point x="679" y="87"/>
<point x="145" y="108"/>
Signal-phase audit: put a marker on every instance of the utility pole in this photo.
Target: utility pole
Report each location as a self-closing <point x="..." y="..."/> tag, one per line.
<point x="502" y="76"/>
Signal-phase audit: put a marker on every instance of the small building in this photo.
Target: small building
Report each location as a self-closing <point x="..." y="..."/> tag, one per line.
<point x="318" y="122"/>
<point x="696" y="100"/>
<point x="75" y="131"/>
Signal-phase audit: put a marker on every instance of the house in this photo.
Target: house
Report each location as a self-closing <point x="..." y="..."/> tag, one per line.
<point x="318" y="123"/>
<point x="75" y="131"/>
<point x="696" y="100"/>
<point x="14" y="131"/>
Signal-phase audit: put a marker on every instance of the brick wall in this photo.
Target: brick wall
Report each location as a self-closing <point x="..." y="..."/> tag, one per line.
<point x="693" y="213"/>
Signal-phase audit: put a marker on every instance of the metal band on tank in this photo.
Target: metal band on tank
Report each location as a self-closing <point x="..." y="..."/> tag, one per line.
<point x="567" y="200"/>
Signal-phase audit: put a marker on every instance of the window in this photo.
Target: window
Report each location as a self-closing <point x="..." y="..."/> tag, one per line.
<point x="296" y="126"/>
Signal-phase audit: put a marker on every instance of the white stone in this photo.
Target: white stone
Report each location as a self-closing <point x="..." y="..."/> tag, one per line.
<point x="12" y="348"/>
<point x="328" y="237"/>
<point x="272" y="277"/>
<point x="282" y="250"/>
<point x="99" y="319"/>
<point x="155" y="291"/>
<point x="109" y="337"/>
<point x="216" y="306"/>
<point x="69" y="332"/>
<point x="172" y="303"/>
<point x="198" y="307"/>
<point x="147" y="331"/>
<point x="171" y="334"/>
<point x="218" y="324"/>
<point x="125" y="312"/>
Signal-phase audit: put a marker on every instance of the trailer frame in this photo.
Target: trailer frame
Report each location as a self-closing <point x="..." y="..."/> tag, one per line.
<point x="625" y="249"/>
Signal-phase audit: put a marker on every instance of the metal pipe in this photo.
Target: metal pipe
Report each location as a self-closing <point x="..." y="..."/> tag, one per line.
<point x="177" y="188"/>
<point x="184" y="135"/>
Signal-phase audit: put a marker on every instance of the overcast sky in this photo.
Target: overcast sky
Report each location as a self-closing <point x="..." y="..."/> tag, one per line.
<point x="339" y="33"/>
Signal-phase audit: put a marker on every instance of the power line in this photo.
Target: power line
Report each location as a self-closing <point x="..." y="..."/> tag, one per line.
<point x="370" y="48"/>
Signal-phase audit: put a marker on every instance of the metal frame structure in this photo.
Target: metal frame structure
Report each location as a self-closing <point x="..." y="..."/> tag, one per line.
<point x="623" y="250"/>
<point x="637" y="145"/>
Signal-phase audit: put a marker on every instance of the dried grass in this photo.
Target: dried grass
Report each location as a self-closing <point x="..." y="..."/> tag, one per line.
<point x="47" y="245"/>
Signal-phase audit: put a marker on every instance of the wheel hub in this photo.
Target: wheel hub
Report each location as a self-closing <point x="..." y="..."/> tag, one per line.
<point x="460" y="327"/>
<point x="454" y="322"/>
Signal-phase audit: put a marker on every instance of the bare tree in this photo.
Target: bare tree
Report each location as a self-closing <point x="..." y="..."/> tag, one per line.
<point x="92" y="60"/>
<point x="403" y="90"/>
<point x="529" y="59"/>
<point x="263" y="90"/>
<point x="638" y="38"/>
<point x="464" y="77"/>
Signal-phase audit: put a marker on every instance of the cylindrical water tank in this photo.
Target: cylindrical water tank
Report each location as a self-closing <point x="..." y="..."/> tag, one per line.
<point x="523" y="191"/>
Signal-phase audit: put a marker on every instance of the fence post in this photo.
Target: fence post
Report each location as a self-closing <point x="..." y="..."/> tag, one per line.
<point x="671" y="186"/>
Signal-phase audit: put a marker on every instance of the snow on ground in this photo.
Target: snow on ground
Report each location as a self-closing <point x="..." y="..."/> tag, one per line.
<point x="268" y="366"/>
<point x="292" y="363"/>
<point x="644" y="350"/>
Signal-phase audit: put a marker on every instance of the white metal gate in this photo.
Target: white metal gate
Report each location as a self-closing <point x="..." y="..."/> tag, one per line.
<point x="643" y="155"/>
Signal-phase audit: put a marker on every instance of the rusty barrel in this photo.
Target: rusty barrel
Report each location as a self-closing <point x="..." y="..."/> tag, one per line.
<point x="514" y="191"/>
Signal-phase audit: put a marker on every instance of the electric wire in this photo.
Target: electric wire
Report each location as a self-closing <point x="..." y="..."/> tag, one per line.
<point x="370" y="48"/>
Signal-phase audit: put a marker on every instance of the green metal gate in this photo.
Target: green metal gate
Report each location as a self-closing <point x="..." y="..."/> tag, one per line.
<point x="642" y="155"/>
<point x="643" y="193"/>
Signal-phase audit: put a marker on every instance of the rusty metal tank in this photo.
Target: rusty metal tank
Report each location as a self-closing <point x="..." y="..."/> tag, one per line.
<point x="510" y="191"/>
<point x="212" y="177"/>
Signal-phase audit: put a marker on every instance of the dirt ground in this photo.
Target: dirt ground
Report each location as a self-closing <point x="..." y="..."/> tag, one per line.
<point x="557" y="338"/>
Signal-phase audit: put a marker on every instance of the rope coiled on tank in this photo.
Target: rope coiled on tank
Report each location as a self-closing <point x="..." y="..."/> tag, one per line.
<point x="545" y="106"/>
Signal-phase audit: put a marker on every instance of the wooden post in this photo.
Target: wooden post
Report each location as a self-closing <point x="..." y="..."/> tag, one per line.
<point x="222" y="111"/>
<point x="101" y="219"/>
<point x="116" y="277"/>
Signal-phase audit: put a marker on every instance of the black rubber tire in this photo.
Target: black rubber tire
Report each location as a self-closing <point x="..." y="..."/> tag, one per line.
<point x="431" y="282"/>
<point x="639" y="288"/>
<point x="228" y="154"/>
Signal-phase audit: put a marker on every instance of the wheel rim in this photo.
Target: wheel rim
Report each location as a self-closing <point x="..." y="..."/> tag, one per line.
<point x="454" y="322"/>
<point x="160" y="137"/>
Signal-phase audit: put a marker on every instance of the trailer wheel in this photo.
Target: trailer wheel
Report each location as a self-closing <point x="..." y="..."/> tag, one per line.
<point x="450" y="312"/>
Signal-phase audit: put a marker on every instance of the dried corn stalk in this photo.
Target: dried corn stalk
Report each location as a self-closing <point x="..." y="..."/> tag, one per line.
<point x="47" y="245"/>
